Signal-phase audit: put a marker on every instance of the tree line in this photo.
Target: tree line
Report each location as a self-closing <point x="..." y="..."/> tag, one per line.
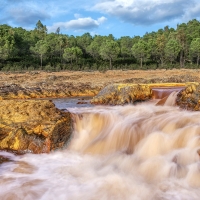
<point x="37" y="49"/>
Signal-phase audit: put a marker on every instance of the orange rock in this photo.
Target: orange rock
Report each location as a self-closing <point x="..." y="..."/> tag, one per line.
<point x="119" y="94"/>
<point x="189" y="98"/>
<point x="35" y="126"/>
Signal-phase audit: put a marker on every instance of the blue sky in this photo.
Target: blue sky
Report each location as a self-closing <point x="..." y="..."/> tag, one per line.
<point x="100" y="17"/>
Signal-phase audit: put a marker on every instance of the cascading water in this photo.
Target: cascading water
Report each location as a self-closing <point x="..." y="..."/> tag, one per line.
<point x="122" y="152"/>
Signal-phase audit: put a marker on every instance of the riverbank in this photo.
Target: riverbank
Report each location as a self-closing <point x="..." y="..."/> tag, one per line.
<point x="99" y="79"/>
<point x="38" y="84"/>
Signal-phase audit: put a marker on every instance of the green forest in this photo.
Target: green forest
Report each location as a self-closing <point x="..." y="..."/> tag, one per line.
<point x="168" y="48"/>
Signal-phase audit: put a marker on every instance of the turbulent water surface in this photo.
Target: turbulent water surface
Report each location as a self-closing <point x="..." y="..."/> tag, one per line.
<point x="121" y="152"/>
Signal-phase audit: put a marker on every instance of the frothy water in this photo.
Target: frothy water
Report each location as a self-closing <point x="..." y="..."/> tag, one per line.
<point x="124" y="152"/>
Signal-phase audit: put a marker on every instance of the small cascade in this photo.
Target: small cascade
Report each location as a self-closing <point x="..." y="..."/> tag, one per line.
<point x="161" y="92"/>
<point x="171" y="100"/>
<point x="168" y="100"/>
<point x="128" y="152"/>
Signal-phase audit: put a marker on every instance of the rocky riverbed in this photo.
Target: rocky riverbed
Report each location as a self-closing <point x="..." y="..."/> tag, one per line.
<point x="28" y="124"/>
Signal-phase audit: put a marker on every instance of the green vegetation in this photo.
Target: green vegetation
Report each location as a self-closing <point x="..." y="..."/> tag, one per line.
<point x="139" y="51"/>
<point x="168" y="48"/>
<point x="109" y="50"/>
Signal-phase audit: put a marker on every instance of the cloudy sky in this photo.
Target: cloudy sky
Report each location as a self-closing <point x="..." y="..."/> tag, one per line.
<point x="101" y="17"/>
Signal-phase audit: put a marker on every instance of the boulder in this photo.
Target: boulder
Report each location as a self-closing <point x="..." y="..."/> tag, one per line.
<point x="35" y="126"/>
<point x="189" y="98"/>
<point x="119" y="94"/>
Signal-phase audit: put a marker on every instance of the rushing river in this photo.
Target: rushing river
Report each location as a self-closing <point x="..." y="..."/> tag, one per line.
<point x="141" y="152"/>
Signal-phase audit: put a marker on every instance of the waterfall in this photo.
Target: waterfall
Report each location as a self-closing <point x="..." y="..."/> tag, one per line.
<point x="135" y="152"/>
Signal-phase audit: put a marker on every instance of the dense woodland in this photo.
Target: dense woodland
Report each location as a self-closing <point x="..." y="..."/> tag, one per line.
<point x="37" y="49"/>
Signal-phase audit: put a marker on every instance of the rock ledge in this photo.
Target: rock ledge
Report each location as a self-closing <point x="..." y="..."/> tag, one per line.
<point x="35" y="126"/>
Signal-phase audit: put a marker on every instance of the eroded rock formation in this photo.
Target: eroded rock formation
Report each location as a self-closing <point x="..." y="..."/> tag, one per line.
<point x="119" y="94"/>
<point x="35" y="126"/>
<point x="189" y="98"/>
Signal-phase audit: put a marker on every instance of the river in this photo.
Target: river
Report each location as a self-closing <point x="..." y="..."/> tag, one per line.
<point x="136" y="152"/>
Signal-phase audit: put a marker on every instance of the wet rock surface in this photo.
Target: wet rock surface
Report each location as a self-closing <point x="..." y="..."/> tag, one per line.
<point x="3" y="159"/>
<point x="119" y="94"/>
<point x="189" y="98"/>
<point x="35" y="126"/>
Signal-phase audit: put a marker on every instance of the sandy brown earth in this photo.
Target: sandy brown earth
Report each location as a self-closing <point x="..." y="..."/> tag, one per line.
<point x="99" y="79"/>
<point x="36" y="84"/>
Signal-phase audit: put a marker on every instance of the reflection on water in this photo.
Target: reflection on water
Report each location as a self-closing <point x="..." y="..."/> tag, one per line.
<point x="141" y="152"/>
<point x="65" y="103"/>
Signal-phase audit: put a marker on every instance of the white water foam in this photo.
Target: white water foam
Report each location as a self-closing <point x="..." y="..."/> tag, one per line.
<point x="124" y="152"/>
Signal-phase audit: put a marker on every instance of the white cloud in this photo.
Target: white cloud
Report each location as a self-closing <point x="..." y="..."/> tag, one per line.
<point x="23" y="12"/>
<point x="101" y="20"/>
<point x="138" y="12"/>
<point x="86" y="23"/>
<point x="146" y="12"/>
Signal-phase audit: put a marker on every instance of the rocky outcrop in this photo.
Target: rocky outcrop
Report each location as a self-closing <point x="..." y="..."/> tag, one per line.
<point x="189" y="98"/>
<point x="46" y="90"/>
<point x="119" y="94"/>
<point x="35" y="126"/>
